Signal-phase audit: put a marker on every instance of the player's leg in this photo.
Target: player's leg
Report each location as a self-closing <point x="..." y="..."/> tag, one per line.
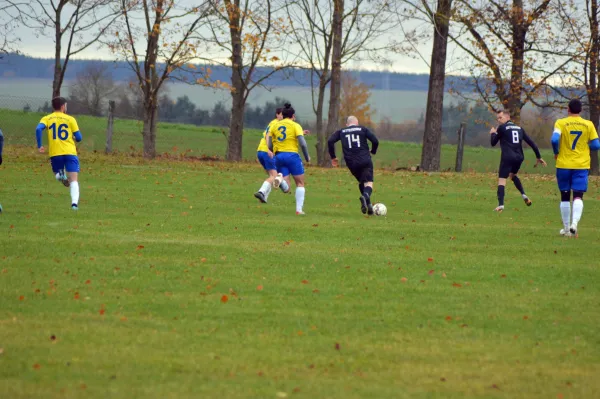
<point x="266" y="162"/>
<point x="58" y="169"/>
<point x="297" y="171"/>
<point x="563" y="178"/>
<point x="503" y="173"/>
<point x="579" y="183"/>
<point x="72" y="168"/>
<point x="517" y="182"/>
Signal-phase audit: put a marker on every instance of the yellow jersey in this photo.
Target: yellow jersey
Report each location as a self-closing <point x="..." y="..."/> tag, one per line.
<point x="262" y="146"/>
<point x="575" y="134"/>
<point x="61" y="128"/>
<point x="284" y="134"/>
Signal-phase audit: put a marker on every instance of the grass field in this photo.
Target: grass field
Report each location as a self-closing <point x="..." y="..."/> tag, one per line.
<point x="173" y="282"/>
<point x="193" y="141"/>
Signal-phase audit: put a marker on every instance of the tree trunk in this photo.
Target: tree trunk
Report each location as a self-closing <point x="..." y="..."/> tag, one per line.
<point x="593" y="89"/>
<point x="519" y="32"/>
<point x="57" y="80"/>
<point x="236" y="126"/>
<point x="432" y="137"/>
<point x="336" y="70"/>
<point x="322" y="134"/>
<point x="149" y="128"/>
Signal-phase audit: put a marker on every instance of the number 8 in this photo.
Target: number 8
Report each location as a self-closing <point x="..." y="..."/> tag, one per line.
<point x="515" y="135"/>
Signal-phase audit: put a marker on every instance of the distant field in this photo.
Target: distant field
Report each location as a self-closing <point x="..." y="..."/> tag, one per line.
<point x="176" y="139"/>
<point x="397" y="105"/>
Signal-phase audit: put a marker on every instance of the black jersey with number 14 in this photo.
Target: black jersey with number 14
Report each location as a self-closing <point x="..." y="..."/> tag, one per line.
<point x="354" y="144"/>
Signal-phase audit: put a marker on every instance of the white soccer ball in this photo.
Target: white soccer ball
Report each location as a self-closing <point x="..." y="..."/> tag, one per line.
<point x="379" y="209"/>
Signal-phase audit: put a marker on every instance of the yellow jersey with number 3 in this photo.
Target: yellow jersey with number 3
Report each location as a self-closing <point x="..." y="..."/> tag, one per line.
<point x="262" y="146"/>
<point x="284" y="134"/>
<point x="575" y="135"/>
<point x="61" y="128"/>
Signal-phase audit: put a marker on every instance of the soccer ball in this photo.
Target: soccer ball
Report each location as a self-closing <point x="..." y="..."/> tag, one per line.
<point x="379" y="209"/>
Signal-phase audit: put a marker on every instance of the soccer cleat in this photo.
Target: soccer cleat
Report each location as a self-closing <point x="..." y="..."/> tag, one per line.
<point x="499" y="209"/>
<point x="74" y="207"/>
<point x="0" y="208"/>
<point x="278" y="180"/>
<point x="573" y="229"/>
<point x="527" y="200"/>
<point x="363" y="204"/>
<point x="370" y="209"/>
<point x="565" y="233"/>
<point x="64" y="180"/>
<point x="260" y="196"/>
<point x="300" y="213"/>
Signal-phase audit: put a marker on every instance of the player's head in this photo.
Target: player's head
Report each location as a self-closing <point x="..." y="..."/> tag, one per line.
<point x="575" y="106"/>
<point x="59" y="104"/>
<point x="502" y="116"/>
<point x="351" y="120"/>
<point x="278" y="114"/>
<point x="288" y="111"/>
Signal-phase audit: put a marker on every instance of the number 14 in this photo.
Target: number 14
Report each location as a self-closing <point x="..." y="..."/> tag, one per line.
<point x="353" y="138"/>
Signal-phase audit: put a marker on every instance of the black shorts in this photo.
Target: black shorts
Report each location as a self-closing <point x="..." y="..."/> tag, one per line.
<point x="363" y="173"/>
<point x="508" y="166"/>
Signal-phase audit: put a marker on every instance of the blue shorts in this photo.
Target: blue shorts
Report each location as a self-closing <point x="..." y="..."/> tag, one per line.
<point x="289" y="162"/>
<point x="68" y="162"/>
<point x="267" y="162"/>
<point x="572" y="179"/>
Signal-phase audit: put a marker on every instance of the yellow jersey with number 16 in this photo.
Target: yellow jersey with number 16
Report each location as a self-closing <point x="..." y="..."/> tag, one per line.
<point x="284" y="135"/>
<point x="61" y="128"/>
<point x="575" y="136"/>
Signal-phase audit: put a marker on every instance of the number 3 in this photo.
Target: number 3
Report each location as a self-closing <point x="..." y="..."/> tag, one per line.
<point x="282" y="130"/>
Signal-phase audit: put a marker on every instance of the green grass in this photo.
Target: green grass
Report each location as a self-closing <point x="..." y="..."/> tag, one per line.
<point x="440" y="299"/>
<point x="189" y="140"/>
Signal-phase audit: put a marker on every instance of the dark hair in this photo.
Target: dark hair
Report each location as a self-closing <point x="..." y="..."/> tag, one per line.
<point x="288" y="111"/>
<point x="503" y="111"/>
<point x="58" y="102"/>
<point x="278" y="111"/>
<point x="575" y="106"/>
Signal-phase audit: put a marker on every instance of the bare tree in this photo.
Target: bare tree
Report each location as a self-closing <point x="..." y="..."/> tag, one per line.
<point x="365" y="25"/>
<point x="245" y="34"/>
<point x="9" y="14"/>
<point x="93" y="88"/>
<point x="155" y="38"/>
<point x="75" y="24"/>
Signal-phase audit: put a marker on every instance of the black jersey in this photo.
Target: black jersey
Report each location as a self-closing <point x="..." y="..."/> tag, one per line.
<point x="511" y="139"/>
<point x="354" y="144"/>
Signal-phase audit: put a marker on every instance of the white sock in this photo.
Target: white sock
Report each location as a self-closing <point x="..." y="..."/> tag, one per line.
<point x="284" y="186"/>
<point x="577" y="210"/>
<point x="300" y="198"/>
<point x="74" y="192"/>
<point x="565" y="213"/>
<point x="266" y="189"/>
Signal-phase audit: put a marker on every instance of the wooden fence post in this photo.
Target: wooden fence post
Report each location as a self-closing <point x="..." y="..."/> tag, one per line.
<point x="460" y="147"/>
<point x="109" y="128"/>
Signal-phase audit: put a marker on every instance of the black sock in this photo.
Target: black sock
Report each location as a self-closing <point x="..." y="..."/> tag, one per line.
<point x="518" y="184"/>
<point x="500" y="195"/>
<point x="367" y="193"/>
<point x="361" y="188"/>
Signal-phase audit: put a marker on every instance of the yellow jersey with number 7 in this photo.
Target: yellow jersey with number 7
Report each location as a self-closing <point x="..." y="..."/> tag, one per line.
<point x="575" y="136"/>
<point x="61" y="128"/>
<point x="284" y="135"/>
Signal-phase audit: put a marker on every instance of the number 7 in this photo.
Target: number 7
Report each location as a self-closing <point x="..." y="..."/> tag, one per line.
<point x="578" y="133"/>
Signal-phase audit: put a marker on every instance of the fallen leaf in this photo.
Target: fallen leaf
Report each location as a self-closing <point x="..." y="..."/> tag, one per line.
<point x="525" y="317"/>
<point x="53" y="338"/>
<point x="224" y="298"/>
<point x="259" y="288"/>
<point x="404" y="279"/>
<point x="140" y="247"/>
<point x="36" y="366"/>
<point x="429" y="259"/>
<point x="431" y="272"/>
<point x="304" y="281"/>
<point x="448" y="318"/>
<point x="22" y="298"/>
<point x="456" y="285"/>
<point x="503" y="276"/>
<point x="337" y="346"/>
<point x="88" y="281"/>
<point x="102" y="311"/>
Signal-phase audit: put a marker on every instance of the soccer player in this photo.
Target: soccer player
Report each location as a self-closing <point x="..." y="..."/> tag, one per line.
<point x="283" y="140"/>
<point x="572" y="140"/>
<point x="63" y="132"/>
<point x="511" y="139"/>
<point x="265" y="157"/>
<point x="358" y="158"/>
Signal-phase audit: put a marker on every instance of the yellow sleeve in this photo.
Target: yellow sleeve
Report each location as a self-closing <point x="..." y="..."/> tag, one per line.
<point x="43" y="120"/>
<point x="73" y="126"/>
<point x="558" y="127"/>
<point x="299" y="131"/>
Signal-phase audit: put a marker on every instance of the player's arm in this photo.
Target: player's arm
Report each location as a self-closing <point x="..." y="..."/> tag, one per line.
<point x="374" y="141"/>
<point x="38" y="135"/>
<point x="494" y="136"/>
<point x="555" y="140"/>
<point x="269" y="142"/>
<point x="76" y="133"/>
<point x="304" y="146"/>
<point x="594" y="142"/>
<point x="535" y="149"/>
<point x="334" y="138"/>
